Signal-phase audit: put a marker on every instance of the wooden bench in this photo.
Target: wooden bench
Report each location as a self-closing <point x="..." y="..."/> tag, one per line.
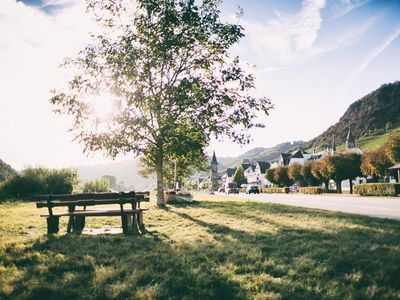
<point x="132" y="218"/>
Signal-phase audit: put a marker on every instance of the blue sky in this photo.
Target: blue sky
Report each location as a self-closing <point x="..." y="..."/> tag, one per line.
<point x="313" y="59"/>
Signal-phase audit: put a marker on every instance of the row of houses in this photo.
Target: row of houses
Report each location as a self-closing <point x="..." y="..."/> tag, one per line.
<point x="255" y="171"/>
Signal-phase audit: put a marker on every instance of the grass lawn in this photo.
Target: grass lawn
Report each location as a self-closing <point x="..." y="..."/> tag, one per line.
<point x="215" y="248"/>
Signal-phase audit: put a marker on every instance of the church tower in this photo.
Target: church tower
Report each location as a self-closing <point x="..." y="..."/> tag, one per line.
<point x="214" y="174"/>
<point x="333" y="149"/>
<point x="350" y="141"/>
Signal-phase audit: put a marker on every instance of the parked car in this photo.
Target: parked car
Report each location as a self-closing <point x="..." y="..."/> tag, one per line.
<point x="294" y="189"/>
<point x="231" y="188"/>
<point x="221" y="190"/>
<point x="252" y="189"/>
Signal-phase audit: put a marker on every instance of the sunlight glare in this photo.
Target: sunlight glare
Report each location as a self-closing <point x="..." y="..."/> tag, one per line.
<point x="102" y="105"/>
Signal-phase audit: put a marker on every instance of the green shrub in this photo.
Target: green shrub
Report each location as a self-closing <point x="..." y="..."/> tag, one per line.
<point x="36" y="181"/>
<point x="377" y="189"/>
<point x="96" y="186"/>
<point x="6" y="171"/>
<point x="311" y="190"/>
<point x="279" y="190"/>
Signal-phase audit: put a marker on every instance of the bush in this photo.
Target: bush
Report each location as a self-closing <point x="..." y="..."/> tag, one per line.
<point x="96" y="186"/>
<point x="311" y="190"/>
<point x="377" y="189"/>
<point x="36" y="181"/>
<point x="284" y="190"/>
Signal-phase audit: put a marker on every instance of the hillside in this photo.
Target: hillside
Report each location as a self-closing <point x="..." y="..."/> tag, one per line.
<point x="5" y="170"/>
<point x="367" y="116"/>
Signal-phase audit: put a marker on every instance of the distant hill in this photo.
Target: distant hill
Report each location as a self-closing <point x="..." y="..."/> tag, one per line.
<point x="126" y="172"/>
<point x="5" y="170"/>
<point x="259" y="154"/>
<point x="367" y="116"/>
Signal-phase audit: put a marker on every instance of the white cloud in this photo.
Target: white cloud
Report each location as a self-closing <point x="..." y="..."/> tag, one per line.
<point x="286" y="39"/>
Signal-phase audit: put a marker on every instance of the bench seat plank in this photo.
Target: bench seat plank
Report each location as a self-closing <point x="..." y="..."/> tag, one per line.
<point x="88" y="213"/>
<point x="58" y="203"/>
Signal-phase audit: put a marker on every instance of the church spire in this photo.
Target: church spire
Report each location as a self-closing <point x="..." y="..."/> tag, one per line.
<point x="214" y="178"/>
<point x="333" y="145"/>
<point x="214" y="159"/>
<point x="350" y="141"/>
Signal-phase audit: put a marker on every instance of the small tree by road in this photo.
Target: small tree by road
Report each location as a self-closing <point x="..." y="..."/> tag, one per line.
<point x="376" y="163"/>
<point x="392" y="147"/>
<point x="295" y="175"/>
<point x="269" y="175"/>
<point x="281" y="176"/>
<point x="339" y="167"/>
<point x="308" y="177"/>
<point x="239" y="177"/>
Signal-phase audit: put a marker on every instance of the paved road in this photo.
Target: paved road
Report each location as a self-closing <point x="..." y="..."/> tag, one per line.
<point x="375" y="207"/>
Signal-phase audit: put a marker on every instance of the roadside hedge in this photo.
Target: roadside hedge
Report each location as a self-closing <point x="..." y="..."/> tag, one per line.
<point x="311" y="190"/>
<point x="278" y="190"/>
<point x="377" y="189"/>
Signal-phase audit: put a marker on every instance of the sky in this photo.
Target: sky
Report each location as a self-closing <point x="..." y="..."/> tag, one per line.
<point x="312" y="58"/>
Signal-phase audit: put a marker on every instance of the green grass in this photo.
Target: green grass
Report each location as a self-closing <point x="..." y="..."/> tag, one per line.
<point x="215" y="248"/>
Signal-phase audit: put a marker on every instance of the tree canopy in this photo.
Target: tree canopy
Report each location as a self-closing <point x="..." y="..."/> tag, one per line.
<point x="376" y="163"/>
<point x="393" y="148"/>
<point x="167" y="68"/>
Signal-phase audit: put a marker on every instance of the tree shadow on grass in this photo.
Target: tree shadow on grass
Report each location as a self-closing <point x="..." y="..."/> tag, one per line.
<point x="252" y="210"/>
<point x="288" y="263"/>
<point x="352" y="262"/>
<point x="113" y="267"/>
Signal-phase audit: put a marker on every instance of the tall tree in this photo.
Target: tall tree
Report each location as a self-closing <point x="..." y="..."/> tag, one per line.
<point x="166" y="64"/>
<point x="239" y="177"/>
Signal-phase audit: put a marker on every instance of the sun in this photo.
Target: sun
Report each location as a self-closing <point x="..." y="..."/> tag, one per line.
<point x="102" y="105"/>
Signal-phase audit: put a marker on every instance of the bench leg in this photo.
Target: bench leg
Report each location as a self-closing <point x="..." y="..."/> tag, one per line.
<point x="79" y="224"/>
<point x="126" y="220"/>
<point x="70" y="224"/>
<point x="52" y="224"/>
<point x="141" y="226"/>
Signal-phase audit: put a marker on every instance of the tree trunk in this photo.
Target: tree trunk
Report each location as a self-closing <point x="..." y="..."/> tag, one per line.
<point x="326" y="183"/>
<point x="339" y="186"/>
<point x="175" y="176"/>
<point x="160" y="190"/>
<point x="351" y="186"/>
